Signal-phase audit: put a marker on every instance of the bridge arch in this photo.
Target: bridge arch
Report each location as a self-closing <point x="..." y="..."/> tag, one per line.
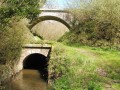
<point x="49" y="17"/>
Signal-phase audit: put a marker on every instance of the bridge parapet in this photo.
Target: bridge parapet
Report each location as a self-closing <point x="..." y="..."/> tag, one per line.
<point x="62" y="14"/>
<point x="54" y="10"/>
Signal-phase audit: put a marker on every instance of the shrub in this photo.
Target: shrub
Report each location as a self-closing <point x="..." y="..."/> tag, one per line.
<point x="96" y="20"/>
<point x="11" y="41"/>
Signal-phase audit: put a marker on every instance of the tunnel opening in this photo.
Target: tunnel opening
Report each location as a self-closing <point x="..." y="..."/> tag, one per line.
<point x="37" y="62"/>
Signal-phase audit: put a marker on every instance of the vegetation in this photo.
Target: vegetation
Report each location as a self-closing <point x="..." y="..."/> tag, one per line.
<point x="11" y="11"/>
<point x="95" y="23"/>
<point x="81" y="65"/>
<point x="74" y="65"/>
<point x="84" y="68"/>
<point x="12" y="31"/>
<point x="22" y="8"/>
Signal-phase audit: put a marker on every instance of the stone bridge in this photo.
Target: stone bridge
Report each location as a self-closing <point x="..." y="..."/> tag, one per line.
<point x="32" y="52"/>
<point x="62" y="16"/>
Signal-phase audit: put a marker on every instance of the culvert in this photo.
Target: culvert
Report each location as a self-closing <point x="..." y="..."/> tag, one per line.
<point x="37" y="62"/>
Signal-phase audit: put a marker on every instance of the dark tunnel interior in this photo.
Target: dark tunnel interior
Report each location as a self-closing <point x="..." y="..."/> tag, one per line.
<point x="37" y="62"/>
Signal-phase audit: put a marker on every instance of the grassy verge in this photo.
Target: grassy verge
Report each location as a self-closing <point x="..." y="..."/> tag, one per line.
<point x="84" y="68"/>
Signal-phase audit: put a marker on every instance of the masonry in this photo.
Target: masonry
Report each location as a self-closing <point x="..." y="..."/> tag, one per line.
<point x="33" y="49"/>
<point x="65" y="17"/>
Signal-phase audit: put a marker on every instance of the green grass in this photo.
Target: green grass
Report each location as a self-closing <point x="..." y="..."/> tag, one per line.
<point x="84" y="68"/>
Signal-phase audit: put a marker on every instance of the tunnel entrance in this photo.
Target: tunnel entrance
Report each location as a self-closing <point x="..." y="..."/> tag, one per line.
<point x="37" y="62"/>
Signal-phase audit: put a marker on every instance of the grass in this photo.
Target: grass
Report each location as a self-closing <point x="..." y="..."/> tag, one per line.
<point x="84" y="68"/>
<point x="78" y="67"/>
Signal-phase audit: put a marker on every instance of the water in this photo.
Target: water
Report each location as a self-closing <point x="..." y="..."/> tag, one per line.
<point x="28" y="80"/>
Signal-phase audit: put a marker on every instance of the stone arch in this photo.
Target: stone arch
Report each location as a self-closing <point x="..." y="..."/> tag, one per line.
<point x="38" y="62"/>
<point x="43" y="18"/>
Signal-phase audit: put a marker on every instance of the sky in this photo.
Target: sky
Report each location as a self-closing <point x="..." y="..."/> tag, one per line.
<point x="55" y="4"/>
<point x="61" y="4"/>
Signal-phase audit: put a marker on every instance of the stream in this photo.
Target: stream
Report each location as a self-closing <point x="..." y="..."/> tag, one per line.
<point x="28" y="79"/>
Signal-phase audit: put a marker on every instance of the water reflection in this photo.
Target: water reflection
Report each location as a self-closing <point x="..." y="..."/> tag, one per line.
<point x="28" y="80"/>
